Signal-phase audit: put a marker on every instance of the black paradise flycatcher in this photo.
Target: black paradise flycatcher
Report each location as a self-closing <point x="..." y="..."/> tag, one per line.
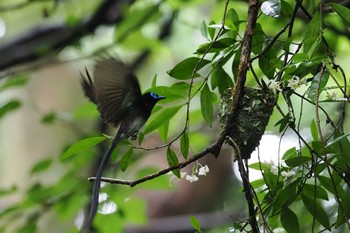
<point x="116" y="92"/>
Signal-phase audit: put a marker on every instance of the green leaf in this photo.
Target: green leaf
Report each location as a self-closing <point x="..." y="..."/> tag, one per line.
<point x="299" y="57"/>
<point x="317" y="85"/>
<point x="17" y="81"/>
<point x="161" y="119"/>
<point x="309" y="191"/>
<point x="257" y="183"/>
<point x="163" y="131"/>
<point x="314" y="131"/>
<point x="297" y="161"/>
<point x="140" y="137"/>
<point x="283" y="122"/>
<point x="211" y="31"/>
<point x="206" y="104"/>
<point x="49" y="118"/>
<point x="235" y="63"/>
<point x="41" y="166"/>
<point x="154" y="81"/>
<point x="195" y="223"/>
<point x="340" y="218"/>
<point x="290" y="220"/>
<point x="305" y="68"/>
<point x="82" y="145"/>
<point x="316" y="210"/>
<point x="203" y="29"/>
<point x="220" y="79"/>
<point x="267" y="63"/>
<point x="327" y="183"/>
<point x="340" y="139"/>
<point x="232" y="20"/>
<point x="271" y="179"/>
<point x="184" y="69"/>
<point x="184" y="144"/>
<point x="173" y="161"/>
<point x="287" y="194"/>
<point x="312" y="32"/>
<point x="9" y="107"/>
<point x="317" y="146"/>
<point x="291" y="153"/>
<point x="342" y="11"/>
<point x="319" y="168"/>
<point x="124" y="163"/>
<point x="215" y="46"/>
<point x="259" y="166"/>
<point x="258" y="39"/>
<point x="286" y="9"/>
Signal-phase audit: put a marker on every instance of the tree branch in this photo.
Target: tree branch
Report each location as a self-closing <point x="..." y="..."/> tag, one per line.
<point x="44" y="41"/>
<point x="237" y="94"/>
<point x="133" y="183"/>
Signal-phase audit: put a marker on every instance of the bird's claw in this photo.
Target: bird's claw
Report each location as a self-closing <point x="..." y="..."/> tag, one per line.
<point x="134" y="136"/>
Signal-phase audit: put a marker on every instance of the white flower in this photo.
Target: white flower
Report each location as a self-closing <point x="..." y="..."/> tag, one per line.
<point x="274" y="170"/>
<point x="275" y="86"/>
<point x="270" y="163"/>
<point x="171" y="175"/>
<point x="182" y="174"/>
<point x="294" y="83"/>
<point x="192" y="178"/>
<point x="287" y="175"/>
<point x="203" y="170"/>
<point x="332" y="96"/>
<point x="278" y="230"/>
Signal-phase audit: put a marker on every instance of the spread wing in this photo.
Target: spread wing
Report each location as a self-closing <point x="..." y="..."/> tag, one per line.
<point x="115" y="90"/>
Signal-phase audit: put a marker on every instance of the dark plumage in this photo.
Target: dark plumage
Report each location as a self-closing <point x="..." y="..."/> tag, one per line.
<point x="116" y="92"/>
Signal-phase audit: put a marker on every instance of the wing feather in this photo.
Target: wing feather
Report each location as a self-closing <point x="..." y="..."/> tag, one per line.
<point x="114" y="89"/>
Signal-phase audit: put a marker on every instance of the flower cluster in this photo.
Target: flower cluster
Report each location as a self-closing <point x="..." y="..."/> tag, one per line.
<point x="275" y="86"/>
<point x="296" y="82"/>
<point x="274" y="169"/>
<point x="293" y="83"/>
<point x="202" y="171"/>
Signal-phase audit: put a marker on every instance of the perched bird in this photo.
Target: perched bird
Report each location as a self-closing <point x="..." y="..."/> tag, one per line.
<point x="116" y="92"/>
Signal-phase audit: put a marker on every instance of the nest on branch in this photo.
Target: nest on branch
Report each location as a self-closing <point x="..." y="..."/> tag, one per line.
<point x="250" y="118"/>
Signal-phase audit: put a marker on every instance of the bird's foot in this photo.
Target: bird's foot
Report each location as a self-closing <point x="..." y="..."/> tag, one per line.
<point x="134" y="136"/>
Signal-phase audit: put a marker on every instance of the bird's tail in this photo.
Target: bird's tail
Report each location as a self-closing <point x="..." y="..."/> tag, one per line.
<point x="97" y="183"/>
<point x="88" y="86"/>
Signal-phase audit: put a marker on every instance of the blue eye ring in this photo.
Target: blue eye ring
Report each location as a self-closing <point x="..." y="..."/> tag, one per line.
<point x="154" y="95"/>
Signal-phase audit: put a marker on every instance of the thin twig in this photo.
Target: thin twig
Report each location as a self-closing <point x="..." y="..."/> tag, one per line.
<point x="323" y="142"/>
<point x="212" y="149"/>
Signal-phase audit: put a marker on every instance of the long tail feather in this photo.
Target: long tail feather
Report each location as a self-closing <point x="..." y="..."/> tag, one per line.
<point x="97" y="183"/>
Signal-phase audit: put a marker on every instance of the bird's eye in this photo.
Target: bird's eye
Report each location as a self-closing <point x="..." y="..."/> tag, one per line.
<point x="154" y="95"/>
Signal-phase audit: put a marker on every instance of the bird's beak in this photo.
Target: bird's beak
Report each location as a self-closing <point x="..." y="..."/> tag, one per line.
<point x="161" y="97"/>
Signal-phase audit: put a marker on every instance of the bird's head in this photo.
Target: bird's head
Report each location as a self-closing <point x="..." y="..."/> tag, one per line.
<point x="151" y="98"/>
